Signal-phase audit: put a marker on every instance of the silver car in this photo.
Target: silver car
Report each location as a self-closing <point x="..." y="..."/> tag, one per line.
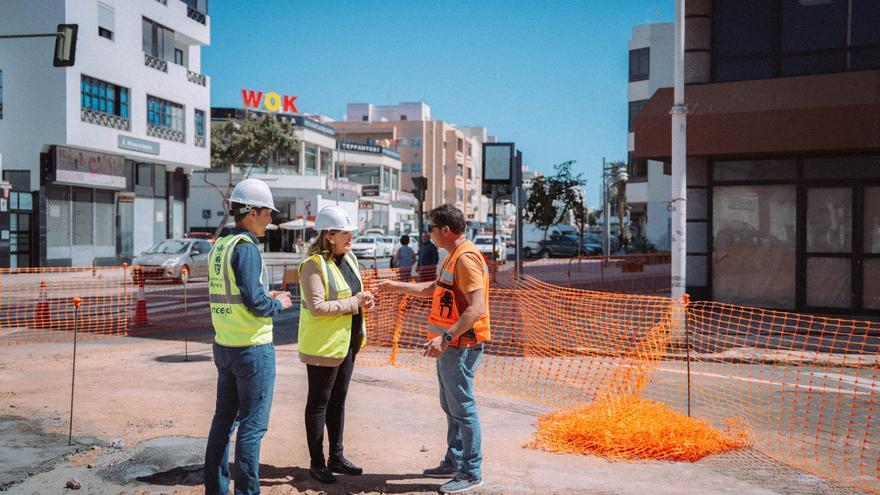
<point x="175" y="259"/>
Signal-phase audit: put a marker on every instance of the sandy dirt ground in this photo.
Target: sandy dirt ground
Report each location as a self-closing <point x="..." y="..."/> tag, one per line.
<point x="142" y="414"/>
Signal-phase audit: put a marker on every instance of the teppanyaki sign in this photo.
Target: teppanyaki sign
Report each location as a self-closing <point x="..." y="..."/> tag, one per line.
<point x="271" y="101"/>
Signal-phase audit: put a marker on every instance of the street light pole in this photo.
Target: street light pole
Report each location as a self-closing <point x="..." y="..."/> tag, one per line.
<point x="679" y="163"/>
<point x="606" y="212"/>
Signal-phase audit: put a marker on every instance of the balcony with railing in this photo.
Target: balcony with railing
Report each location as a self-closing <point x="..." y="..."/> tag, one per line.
<point x="107" y="120"/>
<point x="197" y="10"/>
<point x="155" y="62"/>
<point x="167" y="133"/>
<point x="196" y="78"/>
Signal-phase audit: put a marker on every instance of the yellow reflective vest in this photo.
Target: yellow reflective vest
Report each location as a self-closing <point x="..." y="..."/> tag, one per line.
<point x="324" y="340"/>
<point x="234" y="324"/>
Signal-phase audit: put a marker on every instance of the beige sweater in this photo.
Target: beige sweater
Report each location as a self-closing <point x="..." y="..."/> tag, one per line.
<point x="313" y="295"/>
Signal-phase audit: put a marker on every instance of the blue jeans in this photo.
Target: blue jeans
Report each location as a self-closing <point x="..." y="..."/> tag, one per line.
<point x="455" y="372"/>
<point x="245" y="382"/>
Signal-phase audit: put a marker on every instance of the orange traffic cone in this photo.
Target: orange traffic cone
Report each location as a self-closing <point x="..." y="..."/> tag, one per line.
<point x="140" y="312"/>
<point x="43" y="318"/>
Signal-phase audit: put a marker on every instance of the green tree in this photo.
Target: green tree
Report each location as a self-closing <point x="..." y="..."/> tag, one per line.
<point x="540" y="208"/>
<point x="567" y="188"/>
<point x="254" y="141"/>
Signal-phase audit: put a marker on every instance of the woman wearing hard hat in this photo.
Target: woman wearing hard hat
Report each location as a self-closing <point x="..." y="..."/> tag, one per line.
<point x="331" y="331"/>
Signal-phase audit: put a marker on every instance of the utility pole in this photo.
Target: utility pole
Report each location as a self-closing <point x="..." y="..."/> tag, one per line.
<point x="678" y="325"/>
<point x="679" y="163"/>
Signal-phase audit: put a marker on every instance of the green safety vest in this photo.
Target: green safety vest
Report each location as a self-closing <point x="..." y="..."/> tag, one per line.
<point x="234" y="323"/>
<point x="324" y="340"/>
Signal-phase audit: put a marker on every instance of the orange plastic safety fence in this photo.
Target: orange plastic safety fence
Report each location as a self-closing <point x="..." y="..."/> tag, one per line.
<point x="806" y="386"/>
<point x="36" y="304"/>
<point x="804" y="389"/>
<point x="809" y="386"/>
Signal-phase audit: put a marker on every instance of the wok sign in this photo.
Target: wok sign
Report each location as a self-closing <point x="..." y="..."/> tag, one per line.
<point x="270" y="101"/>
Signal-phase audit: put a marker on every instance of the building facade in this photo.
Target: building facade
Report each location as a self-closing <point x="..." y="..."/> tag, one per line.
<point x="321" y="173"/>
<point x="649" y="188"/>
<point x="384" y="205"/>
<point x="447" y="155"/>
<point x="783" y="166"/>
<point x="98" y="154"/>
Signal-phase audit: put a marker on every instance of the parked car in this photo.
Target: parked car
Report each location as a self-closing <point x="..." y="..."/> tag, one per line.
<point x="567" y="245"/>
<point x="391" y="244"/>
<point x="176" y="259"/>
<point x="532" y="236"/>
<point x="368" y="247"/>
<point x="205" y="236"/>
<point x="484" y="244"/>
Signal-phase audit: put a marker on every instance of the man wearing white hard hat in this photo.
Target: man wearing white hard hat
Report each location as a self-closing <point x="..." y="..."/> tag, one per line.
<point x="331" y="331"/>
<point x="242" y="307"/>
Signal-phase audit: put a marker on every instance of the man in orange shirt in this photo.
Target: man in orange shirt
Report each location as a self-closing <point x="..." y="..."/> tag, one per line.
<point x="457" y="328"/>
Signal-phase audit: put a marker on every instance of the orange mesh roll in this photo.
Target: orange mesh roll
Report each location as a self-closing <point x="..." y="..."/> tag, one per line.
<point x="632" y="428"/>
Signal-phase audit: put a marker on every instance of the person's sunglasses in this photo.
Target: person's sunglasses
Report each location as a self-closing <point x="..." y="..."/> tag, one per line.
<point x="432" y="227"/>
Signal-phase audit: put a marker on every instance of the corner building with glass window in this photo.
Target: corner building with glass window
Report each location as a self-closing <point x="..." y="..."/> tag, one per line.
<point x="783" y="144"/>
<point x="98" y="155"/>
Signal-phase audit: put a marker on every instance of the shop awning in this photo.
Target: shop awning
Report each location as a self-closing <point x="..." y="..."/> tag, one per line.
<point x="789" y="115"/>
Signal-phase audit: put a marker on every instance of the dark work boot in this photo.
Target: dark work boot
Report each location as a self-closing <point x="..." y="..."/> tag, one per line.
<point x="339" y="464"/>
<point x="322" y="474"/>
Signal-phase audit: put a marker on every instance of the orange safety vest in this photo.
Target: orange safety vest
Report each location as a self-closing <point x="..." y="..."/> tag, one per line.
<point x="444" y="306"/>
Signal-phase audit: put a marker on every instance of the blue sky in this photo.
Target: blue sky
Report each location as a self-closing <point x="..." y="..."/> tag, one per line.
<point x="550" y="76"/>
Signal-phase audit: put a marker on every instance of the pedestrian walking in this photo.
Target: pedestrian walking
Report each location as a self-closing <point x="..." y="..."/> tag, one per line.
<point x="403" y="259"/>
<point x="428" y="258"/>
<point x="458" y="327"/>
<point x="331" y="331"/>
<point x="242" y="307"/>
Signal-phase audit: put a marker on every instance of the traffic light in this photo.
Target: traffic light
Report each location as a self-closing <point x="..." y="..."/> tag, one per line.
<point x="421" y="184"/>
<point x="65" y="45"/>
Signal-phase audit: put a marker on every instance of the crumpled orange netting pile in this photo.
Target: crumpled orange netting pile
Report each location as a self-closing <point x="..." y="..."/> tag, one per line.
<point x="631" y="428"/>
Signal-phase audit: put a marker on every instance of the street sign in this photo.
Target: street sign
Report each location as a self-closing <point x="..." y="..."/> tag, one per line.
<point x="498" y="160"/>
<point x="206" y="214"/>
<point x="370" y="190"/>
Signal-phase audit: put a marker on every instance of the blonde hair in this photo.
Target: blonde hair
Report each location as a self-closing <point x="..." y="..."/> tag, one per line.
<point x="321" y="245"/>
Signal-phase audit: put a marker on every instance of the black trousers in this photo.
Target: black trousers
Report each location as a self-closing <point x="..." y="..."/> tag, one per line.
<point x="328" y="388"/>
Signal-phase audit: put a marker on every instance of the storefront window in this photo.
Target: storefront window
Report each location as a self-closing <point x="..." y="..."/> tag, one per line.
<point x="871" y="290"/>
<point x="872" y="221"/>
<point x="829" y="220"/>
<point x="311" y="160"/>
<point x="754" y="245"/>
<point x="326" y="162"/>
<point x="829" y="282"/>
<point x="83" y="218"/>
<point x="363" y="175"/>
<point x="386" y="179"/>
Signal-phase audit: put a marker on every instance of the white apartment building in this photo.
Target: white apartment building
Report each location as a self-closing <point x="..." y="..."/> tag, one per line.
<point x="649" y="189"/>
<point x="449" y="156"/>
<point x="99" y="154"/>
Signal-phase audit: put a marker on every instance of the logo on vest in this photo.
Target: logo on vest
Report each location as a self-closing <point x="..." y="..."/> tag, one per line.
<point x="225" y="311"/>
<point x="446" y="304"/>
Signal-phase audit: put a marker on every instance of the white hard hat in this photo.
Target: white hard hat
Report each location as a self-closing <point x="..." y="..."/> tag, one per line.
<point x="254" y="193"/>
<point x="334" y="218"/>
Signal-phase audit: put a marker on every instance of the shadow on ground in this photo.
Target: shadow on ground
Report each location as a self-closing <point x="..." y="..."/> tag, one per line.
<point x="299" y="478"/>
